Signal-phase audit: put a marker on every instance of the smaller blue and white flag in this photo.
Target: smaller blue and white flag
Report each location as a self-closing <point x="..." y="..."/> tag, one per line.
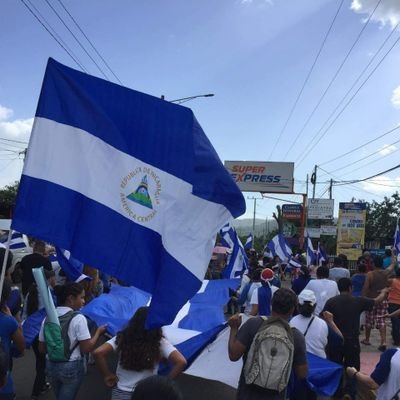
<point x="293" y="262"/>
<point x="396" y="244"/>
<point x="249" y="242"/>
<point x="311" y="256"/>
<point x="72" y="267"/>
<point x="238" y="262"/>
<point x="278" y="247"/>
<point x="321" y="255"/>
<point x="16" y="242"/>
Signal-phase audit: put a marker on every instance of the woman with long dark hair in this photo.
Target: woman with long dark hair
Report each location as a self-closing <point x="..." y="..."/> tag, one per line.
<point x="139" y="352"/>
<point x="66" y="376"/>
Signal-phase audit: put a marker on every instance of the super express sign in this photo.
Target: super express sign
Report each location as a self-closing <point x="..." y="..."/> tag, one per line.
<point x="262" y="176"/>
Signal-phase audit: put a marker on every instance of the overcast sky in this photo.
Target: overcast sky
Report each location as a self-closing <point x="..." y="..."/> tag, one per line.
<point x="253" y="54"/>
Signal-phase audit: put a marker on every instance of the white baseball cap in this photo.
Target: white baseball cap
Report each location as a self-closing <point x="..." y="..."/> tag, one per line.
<point x="307" y="296"/>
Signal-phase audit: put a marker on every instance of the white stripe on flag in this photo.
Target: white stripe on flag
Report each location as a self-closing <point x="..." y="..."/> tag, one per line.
<point x="176" y="199"/>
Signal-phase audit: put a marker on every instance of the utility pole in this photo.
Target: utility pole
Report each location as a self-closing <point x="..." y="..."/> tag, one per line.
<point x="314" y="181"/>
<point x="330" y="189"/>
<point x="307" y="185"/>
<point x="254" y="213"/>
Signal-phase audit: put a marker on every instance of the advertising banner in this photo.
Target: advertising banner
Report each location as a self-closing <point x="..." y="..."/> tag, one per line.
<point x="263" y="177"/>
<point x="292" y="211"/>
<point x="320" y="209"/>
<point x="351" y="229"/>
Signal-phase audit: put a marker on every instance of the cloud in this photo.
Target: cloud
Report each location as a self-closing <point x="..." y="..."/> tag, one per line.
<point x="5" y="113"/>
<point x="388" y="12"/>
<point x="387" y="149"/>
<point x="18" y="129"/>
<point x="15" y="135"/>
<point x="395" y="99"/>
<point x="382" y="183"/>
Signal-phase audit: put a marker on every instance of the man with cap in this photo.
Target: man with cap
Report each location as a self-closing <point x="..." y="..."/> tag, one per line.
<point x="261" y="298"/>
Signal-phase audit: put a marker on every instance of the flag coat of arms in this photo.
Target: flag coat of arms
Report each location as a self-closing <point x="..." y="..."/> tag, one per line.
<point x="128" y="183"/>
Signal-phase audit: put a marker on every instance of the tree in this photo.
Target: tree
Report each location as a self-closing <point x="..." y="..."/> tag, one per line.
<point x="8" y="196"/>
<point x="278" y="218"/>
<point x="381" y="220"/>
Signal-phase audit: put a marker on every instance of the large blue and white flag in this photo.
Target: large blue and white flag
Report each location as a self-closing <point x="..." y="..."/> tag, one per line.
<point x="237" y="262"/>
<point x="311" y="256"/>
<point x="396" y="244"/>
<point x="128" y="183"/>
<point x="72" y="267"/>
<point x="278" y="247"/>
<point x="249" y="242"/>
<point x="16" y="242"/>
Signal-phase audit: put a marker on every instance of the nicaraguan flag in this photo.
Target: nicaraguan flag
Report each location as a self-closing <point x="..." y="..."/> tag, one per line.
<point x="249" y="242"/>
<point x="238" y="262"/>
<point x="278" y="247"/>
<point x="321" y="254"/>
<point x="311" y="256"/>
<point x="128" y="183"/>
<point x="73" y="268"/>
<point x="16" y="242"/>
<point x="397" y="238"/>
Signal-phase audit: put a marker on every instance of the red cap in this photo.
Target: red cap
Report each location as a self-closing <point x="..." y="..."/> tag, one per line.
<point x="267" y="274"/>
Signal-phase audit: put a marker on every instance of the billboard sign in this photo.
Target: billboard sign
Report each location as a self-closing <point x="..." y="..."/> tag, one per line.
<point x="351" y="229"/>
<point x="263" y="177"/>
<point x="328" y="230"/>
<point x="320" y="208"/>
<point x="292" y="211"/>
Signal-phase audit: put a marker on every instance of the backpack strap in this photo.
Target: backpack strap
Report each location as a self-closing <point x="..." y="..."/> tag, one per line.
<point x="274" y="320"/>
<point x="308" y="326"/>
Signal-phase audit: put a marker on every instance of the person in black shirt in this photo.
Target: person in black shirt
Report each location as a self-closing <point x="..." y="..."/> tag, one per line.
<point x="35" y="260"/>
<point x="346" y="310"/>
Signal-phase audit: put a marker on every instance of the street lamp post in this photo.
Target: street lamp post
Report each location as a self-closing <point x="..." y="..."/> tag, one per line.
<point x="185" y="99"/>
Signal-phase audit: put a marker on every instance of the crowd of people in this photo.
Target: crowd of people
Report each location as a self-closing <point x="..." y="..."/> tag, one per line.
<point x="321" y="309"/>
<point x="327" y="315"/>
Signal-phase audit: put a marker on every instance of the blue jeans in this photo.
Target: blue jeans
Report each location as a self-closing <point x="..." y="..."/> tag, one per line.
<point x="65" y="378"/>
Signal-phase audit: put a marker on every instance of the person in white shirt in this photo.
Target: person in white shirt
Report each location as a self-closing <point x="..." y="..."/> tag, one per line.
<point x="338" y="270"/>
<point x="139" y="352"/>
<point x="314" y="329"/>
<point x="323" y="288"/>
<point x="66" y="377"/>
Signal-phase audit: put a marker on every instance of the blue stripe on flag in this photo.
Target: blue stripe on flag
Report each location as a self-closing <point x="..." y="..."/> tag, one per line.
<point x="116" y="308"/>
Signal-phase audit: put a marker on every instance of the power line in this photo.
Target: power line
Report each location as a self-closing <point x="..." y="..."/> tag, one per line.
<point x="366" y="179"/>
<point x="306" y="79"/>
<point x="332" y="80"/>
<point x="53" y="36"/>
<point x="13" y="140"/>
<point x="359" y="147"/>
<point x="77" y="40"/>
<point x="89" y="41"/>
<point x="370" y="155"/>
<point x="347" y="104"/>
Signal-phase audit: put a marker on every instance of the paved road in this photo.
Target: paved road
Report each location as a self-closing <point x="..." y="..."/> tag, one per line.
<point x="93" y="387"/>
